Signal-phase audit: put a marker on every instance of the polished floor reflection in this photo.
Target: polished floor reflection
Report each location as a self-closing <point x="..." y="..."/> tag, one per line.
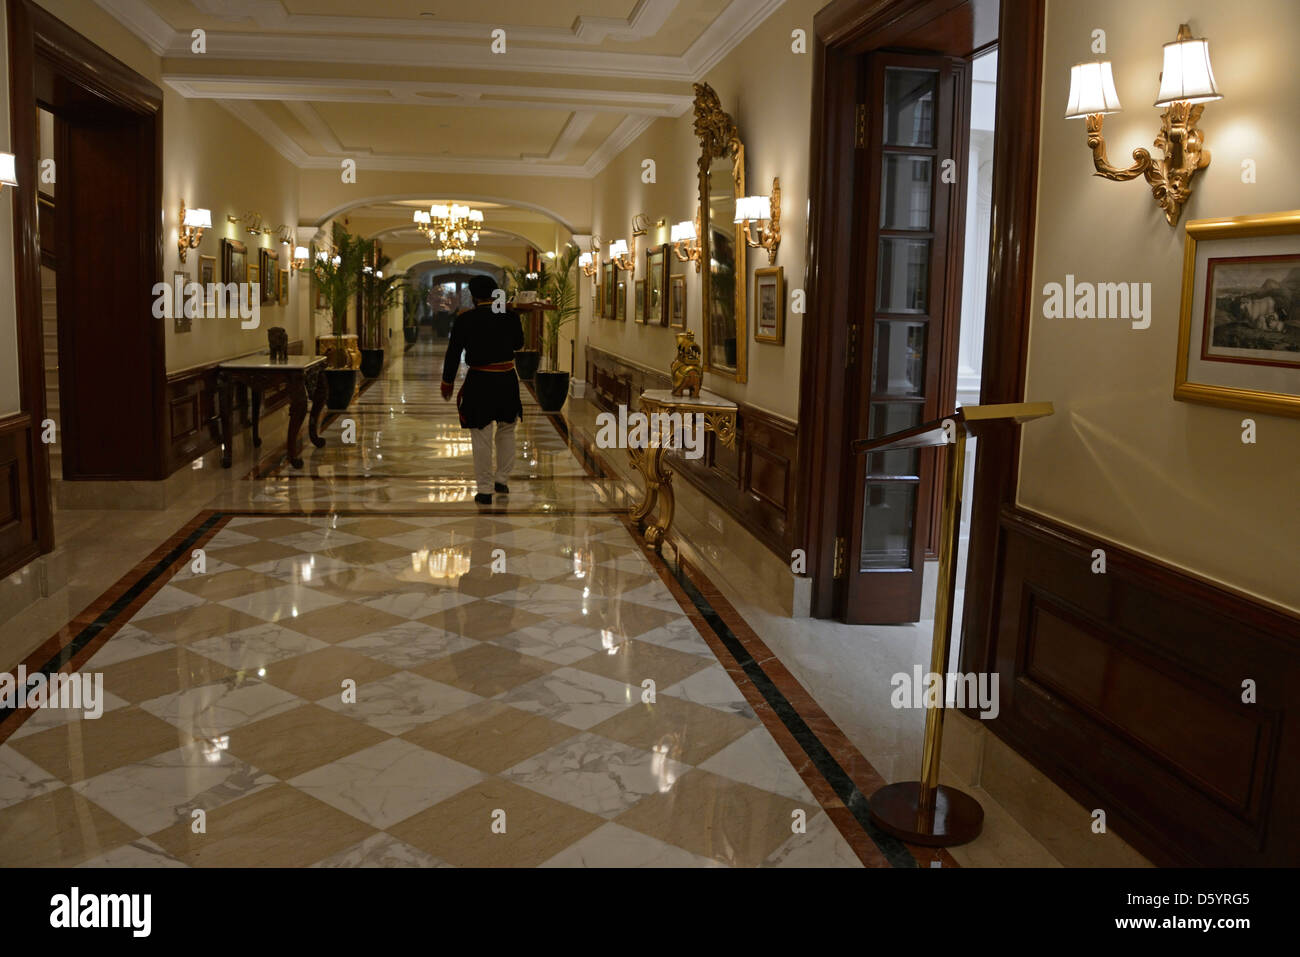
<point x="365" y="669"/>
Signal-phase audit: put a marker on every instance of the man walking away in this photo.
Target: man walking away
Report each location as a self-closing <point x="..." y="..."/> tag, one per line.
<point x="490" y="395"/>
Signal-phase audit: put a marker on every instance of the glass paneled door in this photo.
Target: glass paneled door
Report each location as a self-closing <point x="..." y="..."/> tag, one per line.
<point x="911" y="160"/>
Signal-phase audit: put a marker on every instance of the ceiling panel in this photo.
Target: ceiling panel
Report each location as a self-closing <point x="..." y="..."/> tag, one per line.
<point x="436" y="131"/>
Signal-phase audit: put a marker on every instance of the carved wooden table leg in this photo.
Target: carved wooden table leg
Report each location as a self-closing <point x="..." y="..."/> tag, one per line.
<point x="226" y="393"/>
<point x="658" y="491"/>
<point x="297" y="412"/>
<point x="256" y="401"/>
<point x="317" y="388"/>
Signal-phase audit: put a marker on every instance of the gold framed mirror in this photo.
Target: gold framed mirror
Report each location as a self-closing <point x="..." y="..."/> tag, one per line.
<point x="722" y="245"/>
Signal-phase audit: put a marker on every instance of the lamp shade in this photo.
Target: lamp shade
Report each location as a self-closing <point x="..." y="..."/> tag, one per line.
<point x="198" y="218"/>
<point x="1092" y="90"/>
<point x="617" y="248"/>
<point x="1187" y="74"/>
<point x="584" y="259"/>
<point x="753" y="209"/>
<point x="683" y="232"/>
<point x="8" y="170"/>
<point x="300" y="252"/>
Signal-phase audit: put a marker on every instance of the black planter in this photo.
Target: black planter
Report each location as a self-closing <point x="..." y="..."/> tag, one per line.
<point x="412" y="333"/>
<point x="552" y="389"/>
<point x="526" y="363"/>
<point x="342" y="383"/>
<point x="372" y="362"/>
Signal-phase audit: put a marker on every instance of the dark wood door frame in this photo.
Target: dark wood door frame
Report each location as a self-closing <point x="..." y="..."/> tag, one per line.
<point x="842" y="32"/>
<point x="49" y="63"/>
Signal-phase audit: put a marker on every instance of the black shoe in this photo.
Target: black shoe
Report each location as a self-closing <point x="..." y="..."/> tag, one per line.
<point x="502" y="488"/>
<point x="483" y="499"/>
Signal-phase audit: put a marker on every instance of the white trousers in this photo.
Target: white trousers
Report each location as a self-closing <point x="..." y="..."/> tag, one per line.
<point x="482" y="439"/>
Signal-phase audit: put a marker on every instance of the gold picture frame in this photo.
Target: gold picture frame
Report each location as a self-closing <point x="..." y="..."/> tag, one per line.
<point x="208" y="278"/>
<point x="284" y="287"/>
<point x="769" y="305"/>
<point x="638" y="304"/>
<point x="620" y="306"/>
<point x="609" y="279"/>
<point x="656" y="285"/>
<point x="267" y="264"/>
<point x="677" y="302"/>
<point x="1239" y="317"/>
<point x="254" y="277"/>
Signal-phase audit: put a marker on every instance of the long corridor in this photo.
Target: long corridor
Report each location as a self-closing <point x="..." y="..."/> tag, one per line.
<point x="354" y="665"/>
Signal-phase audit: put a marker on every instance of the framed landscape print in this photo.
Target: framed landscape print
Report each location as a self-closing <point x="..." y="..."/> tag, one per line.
<point x="608" y="278"/>
<point x="284" y="287"/>
<point x="638" y="294"/>
<point x="1239" y="325"/>
<point x="207" y="277"/>
<point x="656" y="285"/>
<point x="234" y="261"/>
<point x="267" y="261"/>
<point x="620" y="311"/>
<point x="677" y="302"/>
<point x="769" y="305"/>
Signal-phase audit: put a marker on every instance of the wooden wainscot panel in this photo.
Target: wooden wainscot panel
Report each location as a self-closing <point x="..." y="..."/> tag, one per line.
<point x="18" y="543"/>
<point x="1126" y="688"/>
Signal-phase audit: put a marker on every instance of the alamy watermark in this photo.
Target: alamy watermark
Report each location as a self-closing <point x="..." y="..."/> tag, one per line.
<point x="221" y="300"/>
<point x="83" y="691"/>
<point x="931" y="690"/>
<point x="1102" y="300"/>
<point x="668" y="430"/>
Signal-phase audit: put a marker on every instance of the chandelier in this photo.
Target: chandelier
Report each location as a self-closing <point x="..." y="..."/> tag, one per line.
<point x="453" y="230"/>
<point x="457" y="254"/>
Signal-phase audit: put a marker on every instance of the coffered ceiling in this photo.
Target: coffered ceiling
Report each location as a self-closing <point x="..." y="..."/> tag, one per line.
<point x="413" y="85"/>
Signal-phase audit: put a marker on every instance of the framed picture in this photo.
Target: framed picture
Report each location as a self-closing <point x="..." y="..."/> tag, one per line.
<point x="254" y="276"/>
<point x="1239" y="323"/>
<point x="208" y="277"/>
<point x="639" y="295"/>
<point x="608" y="279"/>
<point x="234" y="261"/>
<point x="769" y="305"/>
<point x="267" y="263"/>
<point x="598" y="297"/>
<point x="677" y="302"/>
<point x="656" y="285"/>
<point x="620" y="311"/>
<point x="284" y="287"/>
<point x="180" y="322"/>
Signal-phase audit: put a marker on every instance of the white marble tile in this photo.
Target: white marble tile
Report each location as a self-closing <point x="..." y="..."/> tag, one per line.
<point x="612" y="845"/>
<point x="381" y="850"/>
<point x="21" y="779"/>
<point x="561" y="643"/>
<point x="388" y="782"/>
<point x="419" y="604"/>
<point x="211" y="565"/>
<point x="755" y="758"/>
<point x="576" y="698"/>
<point x="212" y="710"/>
<point x="141" y="853"/>
<point x="409" y="644"/>
<point x="400" y="702"/>
<point x="679" y="635"/>
<point x="822" y="846"/>
<point x="712" y="687"/>
<point x="126" y="643"/>
<point x="46" y="718"/>
<point x="167" y="600"/>
<point x="303" y="569"/>
<point x="596" y="774"/>
<point x="251" y="649"/>
<point x="156" y="793"/>
<point x="277" y="604"/>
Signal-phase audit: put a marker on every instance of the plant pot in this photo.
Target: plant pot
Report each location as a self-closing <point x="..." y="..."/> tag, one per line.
<point x="372" y="362"/>
<point x="552" y="389"/>
<point x="411" y="333"/>
<point x="526" y="362"/>
<point x="342" y="383"/>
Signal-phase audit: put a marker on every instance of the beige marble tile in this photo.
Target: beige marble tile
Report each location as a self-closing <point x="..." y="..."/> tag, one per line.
<point x="679" y="729"/>
<point x="490" y="736"/>
<point x="319" y="673"/>
<point x="58" y="829"/>
<point x="486" y="670"/>
<point x="294" y="742"/>
<point x="84" y="749"/>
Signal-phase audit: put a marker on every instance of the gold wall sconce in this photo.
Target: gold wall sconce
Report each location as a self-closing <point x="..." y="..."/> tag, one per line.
<point x="641" y="224"/>
<point x="590" y="261"/>
<point x="685" y="238"/>
<point x="8" y="171"/>
<point x="766" y="212"/>
<point x="253" y="223"/>
<point x="299" y="260"/>
<point x="1186" y="85"/>
<point x="193" y="224"/>
<point x="623" y="256"/>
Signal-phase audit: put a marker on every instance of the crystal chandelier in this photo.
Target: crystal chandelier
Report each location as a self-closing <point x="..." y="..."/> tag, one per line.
<point x="453" y="230"/>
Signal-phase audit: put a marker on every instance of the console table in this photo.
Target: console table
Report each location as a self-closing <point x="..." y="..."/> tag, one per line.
<point x="719" y="418"/>
<point x="305" y="378"/>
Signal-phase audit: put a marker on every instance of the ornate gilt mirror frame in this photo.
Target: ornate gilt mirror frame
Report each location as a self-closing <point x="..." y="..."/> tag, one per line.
<point x="719" y="138"/>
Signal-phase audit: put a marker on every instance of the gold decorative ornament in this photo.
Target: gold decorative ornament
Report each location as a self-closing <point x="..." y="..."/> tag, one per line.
<point x="687" y="369"/>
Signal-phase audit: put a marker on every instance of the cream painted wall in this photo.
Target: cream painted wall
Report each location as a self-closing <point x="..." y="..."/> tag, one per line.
<point x="9" y="393"/>
<point x="1121" y="458"/>
<point x="767" y="89"/>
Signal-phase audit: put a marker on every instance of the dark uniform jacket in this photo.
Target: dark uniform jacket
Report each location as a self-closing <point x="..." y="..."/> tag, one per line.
<point x="486" y="338"/>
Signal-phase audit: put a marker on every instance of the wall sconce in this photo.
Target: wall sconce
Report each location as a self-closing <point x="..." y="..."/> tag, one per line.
<point x="686" y="240"/>
<point x="641" y="224"/>
<point x="766" y="211"/>
<point x="252" y="223"/>
<point x="622" y="256"/>
<point x="8" y="171"/>
<point x="299" y="260"/>
<point x="1186" y="85"/>
<point x="590" y="261"/>
<point x="193" y="223"/>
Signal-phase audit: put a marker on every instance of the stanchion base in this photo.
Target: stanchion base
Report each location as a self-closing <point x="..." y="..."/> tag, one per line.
<point x="958" y="817"/>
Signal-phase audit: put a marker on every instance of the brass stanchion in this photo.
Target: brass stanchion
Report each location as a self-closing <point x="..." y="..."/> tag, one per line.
<point x="925" y="811"/>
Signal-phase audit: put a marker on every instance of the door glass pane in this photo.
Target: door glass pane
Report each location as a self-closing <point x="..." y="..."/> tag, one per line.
<point x="903" y="278"/>
<point x="898" y="358"/>
<point x="905" y="191"/>
<point x="886" y="419"/>
<point x="887" y="525"/>
<point x="909" y="107"/>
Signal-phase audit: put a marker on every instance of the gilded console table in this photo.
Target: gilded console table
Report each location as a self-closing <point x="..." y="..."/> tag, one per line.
<point x="305" y="377"/>
<point x="719" y="418"/>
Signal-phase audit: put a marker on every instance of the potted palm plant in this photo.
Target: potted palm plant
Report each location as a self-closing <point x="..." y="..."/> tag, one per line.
<point x="526" y="287"/>
<point x="410" y="321"/>
<point x="562" y="289"/>
<point x="338" y="276"/>
<point x="380" y="290"/>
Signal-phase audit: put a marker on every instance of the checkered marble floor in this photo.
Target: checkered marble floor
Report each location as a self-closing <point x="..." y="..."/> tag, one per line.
<point x="394" y="684"/>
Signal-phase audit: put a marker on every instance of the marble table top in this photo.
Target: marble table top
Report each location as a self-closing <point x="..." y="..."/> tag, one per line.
<point x="265" y="363"/>
<point x="705" y="399"/>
